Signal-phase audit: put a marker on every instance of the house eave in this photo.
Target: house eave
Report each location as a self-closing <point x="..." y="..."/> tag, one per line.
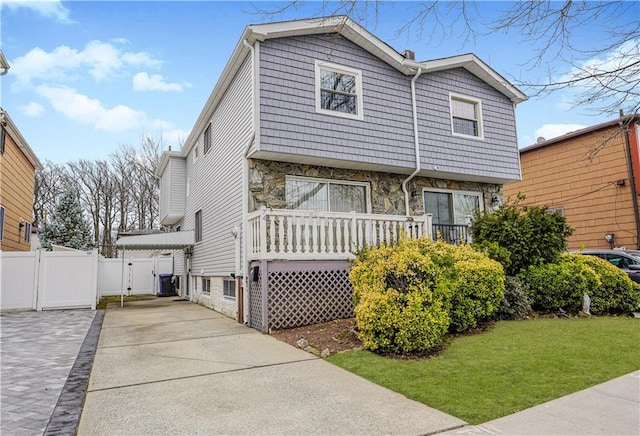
<point x="478" y="68"/>
<point x="22" y="144"/>
<point x="164" y="161"/>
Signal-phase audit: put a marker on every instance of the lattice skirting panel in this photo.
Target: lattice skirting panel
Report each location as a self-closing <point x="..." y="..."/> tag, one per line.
<point x="304" y="293"/>
<point x="255" y="300"/>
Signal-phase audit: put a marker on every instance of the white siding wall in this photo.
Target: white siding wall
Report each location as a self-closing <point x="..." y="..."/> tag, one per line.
<point x="173" y="191"/>
<point x="216" y="182"/>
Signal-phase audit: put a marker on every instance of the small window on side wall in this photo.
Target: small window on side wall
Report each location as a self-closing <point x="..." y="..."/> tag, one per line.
<point x="338" y="90"/>
<point x="27" y="232"/>
<point x="207" y="139"/>
<point x="229" y="288"/>
<point x="198" y="229"/>
<point x="1" y="222"/>
<point x="3" y="134"/>
<point x="466" y="116"/>
<point x="206" y="285"/>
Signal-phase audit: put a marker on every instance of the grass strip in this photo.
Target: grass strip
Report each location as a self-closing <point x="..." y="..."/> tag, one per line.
<point x="514" y="366"/>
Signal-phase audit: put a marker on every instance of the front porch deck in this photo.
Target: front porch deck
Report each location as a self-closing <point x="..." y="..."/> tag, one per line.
<point x="282" y="234"/>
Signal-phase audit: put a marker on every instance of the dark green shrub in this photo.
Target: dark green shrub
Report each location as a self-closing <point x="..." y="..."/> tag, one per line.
<point x="495" y="252"/>
<point x="561" y="285"/>
<point x="516" y="303"/>
<point x="532" y="236"/>
<point x="616" y="293"/>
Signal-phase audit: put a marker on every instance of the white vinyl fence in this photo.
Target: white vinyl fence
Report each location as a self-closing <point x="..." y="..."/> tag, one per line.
<point x="42" y="280"/>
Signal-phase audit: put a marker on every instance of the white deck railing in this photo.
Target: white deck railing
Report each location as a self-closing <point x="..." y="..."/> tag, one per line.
<point x="296" y="234"/>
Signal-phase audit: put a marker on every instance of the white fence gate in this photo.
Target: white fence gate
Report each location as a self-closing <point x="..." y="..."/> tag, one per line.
<point x="41" y="280"/>
<point x="140" y="275"/>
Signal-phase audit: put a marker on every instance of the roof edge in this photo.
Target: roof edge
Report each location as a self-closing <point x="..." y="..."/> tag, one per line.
<point x="22" y="143"/>
<point x="580" y="132"/>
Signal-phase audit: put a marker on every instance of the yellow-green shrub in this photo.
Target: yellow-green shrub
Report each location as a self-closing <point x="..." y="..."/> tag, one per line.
<point x="407" y="296"/>
<point x="616" y="292"/>
<point x="399" y="304"/>
<point x="477" y="292"/>
<point x="560" y="285"/>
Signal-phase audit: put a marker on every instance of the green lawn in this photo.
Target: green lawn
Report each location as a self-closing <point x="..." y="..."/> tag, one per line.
<point x="516" y="365"/>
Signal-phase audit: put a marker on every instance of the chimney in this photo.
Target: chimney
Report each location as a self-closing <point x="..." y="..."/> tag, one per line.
<point x="408" y="54"/>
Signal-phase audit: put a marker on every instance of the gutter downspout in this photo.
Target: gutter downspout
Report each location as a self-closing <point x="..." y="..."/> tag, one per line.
<point x="624" y="126"/>
<point x="415" y="140"/>
<point x="245" y="191"/>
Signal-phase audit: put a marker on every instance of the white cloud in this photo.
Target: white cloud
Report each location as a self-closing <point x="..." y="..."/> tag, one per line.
<point x="155" y="82"/>
<point x="31" y="109"/>
<point x="100" y="59"/>
<point x="548" y="131"/>
<point x="80" y="108"/>
<point x="623" y="57"/>
<point x="46" y="8"/>
<point x="169" y="133"/>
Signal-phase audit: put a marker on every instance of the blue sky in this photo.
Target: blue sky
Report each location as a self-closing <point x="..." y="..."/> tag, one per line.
<point x="88" y="76"/>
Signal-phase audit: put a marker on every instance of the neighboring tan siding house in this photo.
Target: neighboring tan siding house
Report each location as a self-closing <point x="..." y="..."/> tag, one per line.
<point x="18" y="164"/>
<point x="318" y="139"/>
<point x="591" y="176"/>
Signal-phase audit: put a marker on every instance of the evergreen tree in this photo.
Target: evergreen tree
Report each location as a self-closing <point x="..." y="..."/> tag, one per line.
<point x="67" y="226"/>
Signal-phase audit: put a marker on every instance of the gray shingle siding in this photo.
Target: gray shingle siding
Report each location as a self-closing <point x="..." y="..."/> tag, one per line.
<point x="496" y="155"/>
<point x="290" y="124"/>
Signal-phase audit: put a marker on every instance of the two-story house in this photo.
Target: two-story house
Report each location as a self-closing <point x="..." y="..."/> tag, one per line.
<point x="592" y="177"/>
<point x="317" y="140"/>
<point x="18" y="164"/>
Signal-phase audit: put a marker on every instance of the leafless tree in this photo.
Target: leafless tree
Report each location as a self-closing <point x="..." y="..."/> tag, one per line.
<point x="120" y="194"/>
<point x="604" y="78"/>
<point x="50" y="182"/>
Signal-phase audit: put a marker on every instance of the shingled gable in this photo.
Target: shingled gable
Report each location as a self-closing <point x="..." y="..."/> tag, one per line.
<point x="352" y="31"/>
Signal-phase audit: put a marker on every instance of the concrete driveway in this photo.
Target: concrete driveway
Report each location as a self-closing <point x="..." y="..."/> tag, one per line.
<point x="167" y="366"/>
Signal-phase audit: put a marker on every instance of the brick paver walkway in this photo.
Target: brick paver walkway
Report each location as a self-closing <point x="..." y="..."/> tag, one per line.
<point x="37" y="352"/>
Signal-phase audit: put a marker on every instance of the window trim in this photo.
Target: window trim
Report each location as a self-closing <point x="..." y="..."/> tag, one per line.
<point x="359" y="115"/>
<point x="206" y="139"/>
<point x="478" y="105"/>
<point x="225" y="290"/>
<point x="366" y="185"/>
<point x="478" y="194"/>
<point x="198" y="226"/>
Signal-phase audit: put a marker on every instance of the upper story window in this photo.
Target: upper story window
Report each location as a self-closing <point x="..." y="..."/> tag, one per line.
<point x="327" y="195"/>
<point x="338" y="90"/>
<point x="198" y="230"/>
<point x="466" y="116"/>
<point x="207" y="139"/>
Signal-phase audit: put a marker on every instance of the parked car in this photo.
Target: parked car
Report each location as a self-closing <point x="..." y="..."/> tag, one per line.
<point x="627" y="260"/>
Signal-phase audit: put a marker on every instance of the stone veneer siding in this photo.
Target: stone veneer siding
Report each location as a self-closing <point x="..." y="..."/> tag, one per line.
<point x="267" y="186"/>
